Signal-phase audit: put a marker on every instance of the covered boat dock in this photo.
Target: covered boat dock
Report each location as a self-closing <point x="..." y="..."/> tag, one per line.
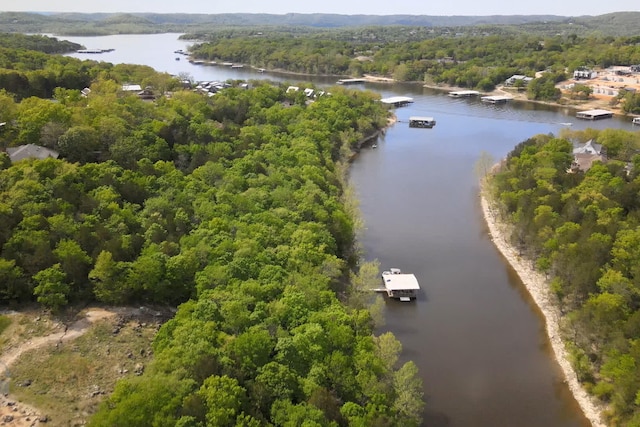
<point x="399" y="285"/>
<point x="397" y="101"/>
<point x="496" y="99"/>
<point x="350" y="81"/>
<point x="422" y="122"/>
<point x="594" y="114"/>
<point x="463" y="93"/>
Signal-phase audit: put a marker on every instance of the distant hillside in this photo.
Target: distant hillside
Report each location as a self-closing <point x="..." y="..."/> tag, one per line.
<point x="619" y="23"/>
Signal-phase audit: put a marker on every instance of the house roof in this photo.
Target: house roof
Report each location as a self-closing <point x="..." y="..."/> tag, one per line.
<point x="588" y="147"/>
<point x="584" y="161"/>
<point x="30" y="151"/>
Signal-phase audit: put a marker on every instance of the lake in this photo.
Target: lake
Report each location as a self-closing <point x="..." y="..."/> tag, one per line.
<point x="474" y="333"/>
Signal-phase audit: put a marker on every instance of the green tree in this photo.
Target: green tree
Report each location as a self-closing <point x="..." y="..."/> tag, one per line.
<point x="51" y="289"/>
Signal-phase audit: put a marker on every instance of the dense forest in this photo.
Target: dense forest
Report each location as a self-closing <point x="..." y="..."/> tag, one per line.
<point x="583" y="230"/>
<point x="471" y="61"/>
<point x="611" y="24"/>
<point x="234" y="206"/>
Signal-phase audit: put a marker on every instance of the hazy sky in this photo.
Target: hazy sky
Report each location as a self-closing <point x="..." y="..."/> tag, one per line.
<point x="370" y="7"/>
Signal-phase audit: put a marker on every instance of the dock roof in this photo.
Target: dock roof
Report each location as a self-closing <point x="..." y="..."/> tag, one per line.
<point x="496" y="98"/>
<point x="397" y="282"/>
<point x="461" y="93"/>
<point x="397" y="100"/>
<point x="594" y="113"/>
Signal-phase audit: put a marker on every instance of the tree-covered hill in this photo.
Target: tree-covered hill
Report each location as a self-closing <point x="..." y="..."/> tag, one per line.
<point x="582" y="228"/>
<point x="616" y="24"/>
<point x="234" y="205"/>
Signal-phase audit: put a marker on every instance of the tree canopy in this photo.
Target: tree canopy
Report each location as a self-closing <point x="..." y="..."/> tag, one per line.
<point x="582" y="229"/>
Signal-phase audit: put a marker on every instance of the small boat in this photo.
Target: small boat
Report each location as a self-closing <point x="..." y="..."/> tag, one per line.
<point x="177" y="59"/>
<point x="636" y="121"/>
<point x="374" y="146"/>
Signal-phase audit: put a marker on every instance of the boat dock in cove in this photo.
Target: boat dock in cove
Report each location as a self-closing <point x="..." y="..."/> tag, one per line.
<point x="496" y="99"/>
<point x="464" y="93"/>
<point x="594" y="114"/>
<point x="422" y="122"/>
<point x="397" y="101"/>
<point x="399" y="285"/>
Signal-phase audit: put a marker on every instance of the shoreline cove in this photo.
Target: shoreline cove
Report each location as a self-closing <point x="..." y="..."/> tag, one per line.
<point x="536" y="285"/>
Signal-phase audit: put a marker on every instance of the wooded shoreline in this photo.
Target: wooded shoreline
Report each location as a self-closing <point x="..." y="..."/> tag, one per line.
<point x="538" y="288"/>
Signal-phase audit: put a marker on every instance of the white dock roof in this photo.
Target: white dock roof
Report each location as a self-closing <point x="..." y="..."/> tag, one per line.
<point x="396" y="100"/>
<point x="464" y="93"/>
<point x="595" y="112"/>
<point x="397" y="282"/>
<point x="496" y="98"/>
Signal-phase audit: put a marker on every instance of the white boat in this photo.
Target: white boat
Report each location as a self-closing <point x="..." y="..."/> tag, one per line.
<point x="636" y="121"/>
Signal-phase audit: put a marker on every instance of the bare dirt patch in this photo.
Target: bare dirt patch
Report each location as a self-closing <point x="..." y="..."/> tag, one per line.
<point x="61" y="369"/>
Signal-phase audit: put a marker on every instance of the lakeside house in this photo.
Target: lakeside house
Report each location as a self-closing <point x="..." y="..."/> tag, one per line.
<point x="584" y="74"/>
<point x="513" y="80"/>
<point x="585" y="154"/>
<point x="30" y="151"/>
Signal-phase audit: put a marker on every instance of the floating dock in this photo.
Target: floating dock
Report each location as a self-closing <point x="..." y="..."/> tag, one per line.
<point x="496" y="99"/>
<point x="422" y="122"/>
<point x="594" y="114"/>
<point x="464" y="93"/>
<point x="399" y="285"/>
<point x="350" y="81"/>
<point x="95" y="50"/>
<point x="397" y="101"/>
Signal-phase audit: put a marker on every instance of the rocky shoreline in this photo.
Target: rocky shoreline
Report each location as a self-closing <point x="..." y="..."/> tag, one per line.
<point x="537" y="286"/>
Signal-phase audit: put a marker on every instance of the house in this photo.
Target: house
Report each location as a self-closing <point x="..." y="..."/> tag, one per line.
<point x="511" y="81"/>
<point x="30" y="151"/>
<point x="146" y="93"/>
<point x="584" y="154"/>
<point x="131" y="88"/>
<point x="584" y="74"/>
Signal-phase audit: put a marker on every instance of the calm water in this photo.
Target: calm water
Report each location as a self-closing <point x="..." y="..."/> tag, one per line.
<point x="474" y="333"/>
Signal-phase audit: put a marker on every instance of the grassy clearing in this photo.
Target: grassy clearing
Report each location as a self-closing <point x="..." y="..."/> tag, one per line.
<point x="67" y="381"/>
<point x="20" y="327"/>
<point x="5" y="322"/>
